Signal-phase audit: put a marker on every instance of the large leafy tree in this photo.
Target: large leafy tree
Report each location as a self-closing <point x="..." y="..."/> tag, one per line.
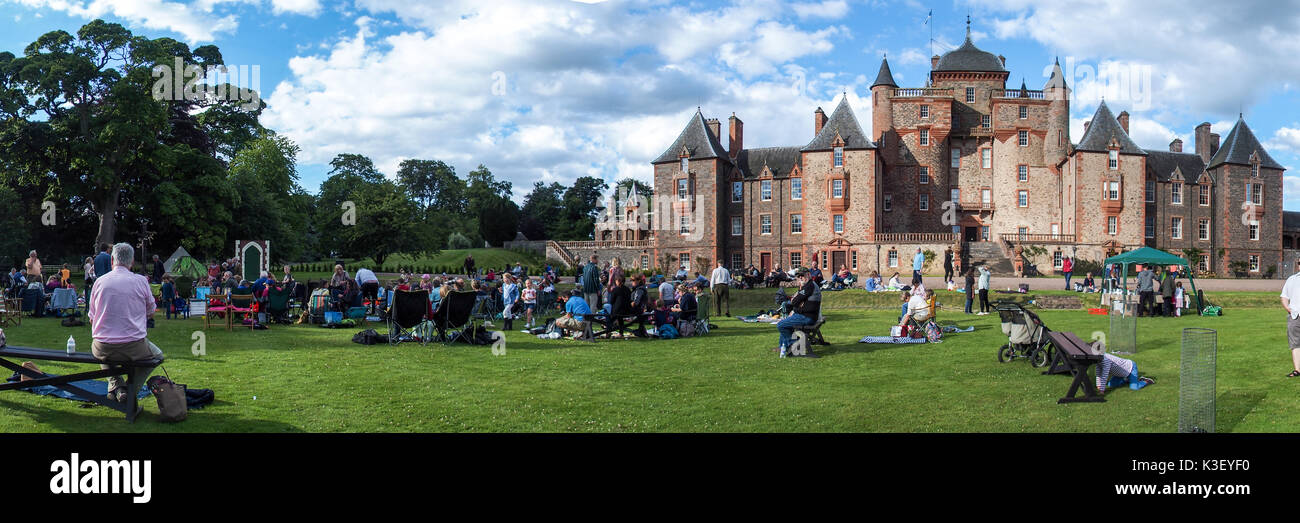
<point x="489" y="200"/>
<point x="580" y="202"/>
<point x="543" y="211"/>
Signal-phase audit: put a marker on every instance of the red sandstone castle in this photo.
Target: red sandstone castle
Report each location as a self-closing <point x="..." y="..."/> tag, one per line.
<point x="964" y="162"/>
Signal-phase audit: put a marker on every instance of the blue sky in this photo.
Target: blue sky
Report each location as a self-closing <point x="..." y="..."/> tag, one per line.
<point x="548" y="90"/>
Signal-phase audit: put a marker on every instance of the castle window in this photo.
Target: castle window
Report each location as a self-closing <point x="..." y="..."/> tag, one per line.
<point x="796" y="189"/>
<point x="1058" y="260"/>
<point x="737" y="261"/>
<point x="1022" y="198"/>
<point x="925" y="137"/>
<point x="1254" y="169"/>
<point x="1205" y="263"/>
<point x="1112" y="225"/>
<point x="1151" y="191"/>
<point x="970" y="95"/>
<point x="889" y="202"/>
<point x="1060" y="137"/>
<point x="683" y="224"/>
<point x="839" y="156"/>
<point x="853" y="260"/>
<point x="1023" y="138"/>
<point x="924" y="202"/>
<point x="737" y="226"/>
<point x="686" y="163"/>
<point x="737" y="191"/>
<point x="1151" y="226"/>
<point x="956" y="158"/>
<point x="765" y="190"/>
<point x="1176" y="195"/>
<point x="1204" y="191"/>
<point x="838" y="224"/>
<point x="1254" y="263"/>
<point x="1024" y="112"/>
<point x="837" y="188"/>
<point x="796" y="259"/>
<point x="1203" y="230"/>
<point x="796" y="224"/>
<point x="986" y="158"/>
<point x="1022" y="173"/>
<point x="1113" y="162"/>
<point x="925" y="111"/>
<point x="765" y="224"/>
<point x="1176" y="228"/>
<point x="1256" y="192"/>
<point x="924" y="175"/>
<point x="986" y="121"/>
<point x="892" y="258"/>
<point x="1254" y="230"/>
<point x="682" y="189"/>
<point x="1112" y="190"/>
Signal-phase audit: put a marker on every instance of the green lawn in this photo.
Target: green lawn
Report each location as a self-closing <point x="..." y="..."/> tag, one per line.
<point x="454" y="259"/>
<point x="312" y="379"/>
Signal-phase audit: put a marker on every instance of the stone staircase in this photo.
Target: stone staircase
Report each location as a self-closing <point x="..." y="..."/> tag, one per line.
<point x="989" y="254"/>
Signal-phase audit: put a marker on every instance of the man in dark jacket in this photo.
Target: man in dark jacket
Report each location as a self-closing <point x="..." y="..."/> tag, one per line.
<point x="1167" y="293"/>
<point x="157" y="269"/>
<point x="805" y="306"/>
<point x="591" y="283"/>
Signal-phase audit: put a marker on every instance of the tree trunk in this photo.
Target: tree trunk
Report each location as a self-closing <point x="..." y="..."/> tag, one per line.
<point x="107" y="220"/>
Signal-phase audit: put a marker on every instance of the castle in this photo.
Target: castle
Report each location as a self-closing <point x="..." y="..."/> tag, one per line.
<point x="963" y="163"/>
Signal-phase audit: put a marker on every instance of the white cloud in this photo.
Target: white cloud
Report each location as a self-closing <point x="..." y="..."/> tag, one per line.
<point x="300" y="7"/>
<point x="549" y="90"/>
<point x="826" y="9"/>
<point x="194" y="24"/>
<point x="1285" y="139"/>
<point x="1235" y="57"/>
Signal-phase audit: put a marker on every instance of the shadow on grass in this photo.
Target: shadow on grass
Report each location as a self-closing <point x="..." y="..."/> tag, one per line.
<point x="1232" y="406"/>
<point x="97" y="419"/>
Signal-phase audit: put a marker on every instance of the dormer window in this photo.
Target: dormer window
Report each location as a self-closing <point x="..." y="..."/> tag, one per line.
<point x="1254" y="169"/>
<point x="765" y="190"/>
<point x="839" y="157"/>
<point x="1114" y="160"/>
<point x="686" y="165"/>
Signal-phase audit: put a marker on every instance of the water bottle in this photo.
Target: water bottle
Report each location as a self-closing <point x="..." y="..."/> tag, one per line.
<point x="72" y="345"/>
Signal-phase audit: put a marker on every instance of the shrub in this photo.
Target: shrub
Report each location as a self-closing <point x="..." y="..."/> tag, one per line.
<point x="457" y="240"/>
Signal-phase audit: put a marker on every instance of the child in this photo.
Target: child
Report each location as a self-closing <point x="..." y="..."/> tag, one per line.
<point x="1114" y="371"/>
<point x="1179" y="300"/>
<point x="530" y="302"/>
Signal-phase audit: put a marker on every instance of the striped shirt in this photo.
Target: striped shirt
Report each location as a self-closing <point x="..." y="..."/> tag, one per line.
<point x="1110" y="364"/>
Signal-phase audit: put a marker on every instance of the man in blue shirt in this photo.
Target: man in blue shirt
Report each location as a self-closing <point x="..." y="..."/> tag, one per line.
<point x="103" y="262"/>
<point x="918" y="261"/>
<point x="575" y="310"/>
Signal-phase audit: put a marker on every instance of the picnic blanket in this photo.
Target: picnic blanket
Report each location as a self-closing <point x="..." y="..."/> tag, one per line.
<point x="890" y="339"/>
<point x="93" y="386"/>
<point x="953" y="328"/>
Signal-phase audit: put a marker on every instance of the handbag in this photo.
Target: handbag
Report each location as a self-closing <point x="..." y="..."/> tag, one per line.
<point x="172" y="404"/>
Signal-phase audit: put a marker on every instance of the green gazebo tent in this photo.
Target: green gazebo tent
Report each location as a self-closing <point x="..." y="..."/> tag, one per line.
<point x="1152" y="256"/>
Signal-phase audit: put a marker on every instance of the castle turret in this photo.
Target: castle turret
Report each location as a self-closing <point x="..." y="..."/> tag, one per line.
<point x="882" y="113"/>
<point x="1057" y="143"/>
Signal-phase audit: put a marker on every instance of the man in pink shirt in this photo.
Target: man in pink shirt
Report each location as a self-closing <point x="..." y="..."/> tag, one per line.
<point x="120" y="306"/>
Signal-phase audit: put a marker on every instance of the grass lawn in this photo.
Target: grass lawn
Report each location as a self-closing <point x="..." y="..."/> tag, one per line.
<point x="307" y="378"/>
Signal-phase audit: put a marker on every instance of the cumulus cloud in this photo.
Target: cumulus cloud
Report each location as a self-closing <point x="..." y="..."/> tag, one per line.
<point x="550" y="90"/>
<point x="301" y="7"/>
<point x="1285" y="139"/>
<point x="826" y="9"/>
<point x="194" y="23"/>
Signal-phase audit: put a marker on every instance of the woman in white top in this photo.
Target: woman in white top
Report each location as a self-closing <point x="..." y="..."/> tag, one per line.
<point x="894" y="283"/>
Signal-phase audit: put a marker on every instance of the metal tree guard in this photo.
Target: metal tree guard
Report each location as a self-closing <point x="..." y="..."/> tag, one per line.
<point x="1196" y="380"/>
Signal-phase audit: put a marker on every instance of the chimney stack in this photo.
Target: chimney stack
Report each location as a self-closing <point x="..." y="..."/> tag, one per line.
<point x="1123" y="120"/>
<point x="1203" y="141"/>
<point x="819" y="120"/>
<point x="1176" y="146"/>
<point x="1214" y="144"/>
<point x="1086" y="123"/>
<point x="737" y="134"/>
<point x="715" y="127"/>
<point x="934" y="62"/>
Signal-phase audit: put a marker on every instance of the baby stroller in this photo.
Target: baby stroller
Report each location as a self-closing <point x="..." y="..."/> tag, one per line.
<point x="1026" y="335"/>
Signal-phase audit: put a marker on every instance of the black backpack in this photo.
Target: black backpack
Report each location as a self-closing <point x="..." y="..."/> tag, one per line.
<point x="369" y="337"/>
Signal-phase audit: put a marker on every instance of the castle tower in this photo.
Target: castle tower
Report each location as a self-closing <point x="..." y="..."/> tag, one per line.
<point x="882" y="113"/>
<point x="1057" y="141"/>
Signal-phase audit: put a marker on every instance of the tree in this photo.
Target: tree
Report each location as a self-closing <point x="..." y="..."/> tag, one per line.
<point x="384" y="225"/>
<point x="580" y="202"/>
<point x="489" y="200"/>
<point x="13" y="243"/>
<point x="641" y="188"/>
<point x="543" y="211"/>
<point x="430" y="181"/>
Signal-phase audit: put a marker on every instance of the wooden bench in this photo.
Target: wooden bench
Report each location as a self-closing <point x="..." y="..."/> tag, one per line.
<point x="1078" y="356"/>
<point x="136" y="372"/>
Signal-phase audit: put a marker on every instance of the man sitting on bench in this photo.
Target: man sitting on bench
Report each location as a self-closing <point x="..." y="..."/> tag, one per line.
<point x="1114" y="371"/>
<point x="120" y="305"/>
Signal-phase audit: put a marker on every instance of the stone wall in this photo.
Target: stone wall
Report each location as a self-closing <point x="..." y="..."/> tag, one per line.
<point x="538" y="247"/>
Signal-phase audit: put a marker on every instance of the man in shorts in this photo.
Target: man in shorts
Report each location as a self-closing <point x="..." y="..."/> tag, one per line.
<point x="1290" y="296"/>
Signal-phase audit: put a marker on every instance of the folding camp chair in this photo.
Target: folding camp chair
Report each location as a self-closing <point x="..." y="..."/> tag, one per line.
<point x="409" y="311"/>
<point x="216" y="306"/>
<point x="705" y="302"/>
<point x="241" y="304"/>
<point x="485" y="308"/>
<point x="456" y="311"/>
<point x="277" y="304"/>
<point x="318" y="305"/>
